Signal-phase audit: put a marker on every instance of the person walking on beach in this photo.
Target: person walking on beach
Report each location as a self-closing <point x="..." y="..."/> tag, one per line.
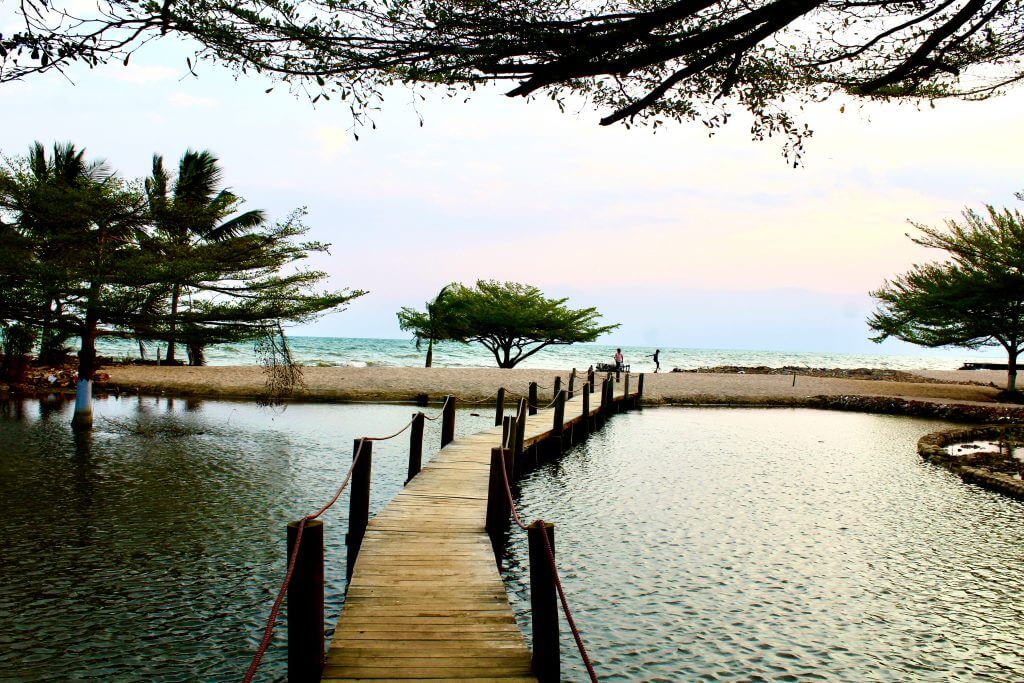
<point x="657" y="363"/>
<point x="618" y="363"/>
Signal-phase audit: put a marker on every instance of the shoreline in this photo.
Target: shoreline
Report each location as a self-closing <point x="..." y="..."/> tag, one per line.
<point x="933" y="394"/>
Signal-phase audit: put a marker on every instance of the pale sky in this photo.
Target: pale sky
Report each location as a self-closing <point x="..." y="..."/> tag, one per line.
<point x="685" y="240"/>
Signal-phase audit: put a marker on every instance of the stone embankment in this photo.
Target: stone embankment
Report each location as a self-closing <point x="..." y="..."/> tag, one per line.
<point x="998" y="472"/>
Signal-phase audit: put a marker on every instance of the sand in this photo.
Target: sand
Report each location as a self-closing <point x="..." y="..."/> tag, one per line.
<point x="478" y="384"/>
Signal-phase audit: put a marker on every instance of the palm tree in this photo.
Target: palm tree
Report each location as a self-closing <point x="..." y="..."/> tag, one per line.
<point x="429" y="326"/>
<point x="43" y="220"/>
<point x="192" y="210"/>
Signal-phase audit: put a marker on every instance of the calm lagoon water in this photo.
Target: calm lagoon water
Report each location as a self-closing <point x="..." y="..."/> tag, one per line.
<point x="784" y="545"/>
<point x="696" y="544"/>
<point x="156" y="558"/>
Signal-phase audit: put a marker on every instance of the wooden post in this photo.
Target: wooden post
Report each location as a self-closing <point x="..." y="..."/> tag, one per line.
<point x="558" y="387"/>
<point x="543" y="604"/>
<point x="517" y="451"/>
<point x="625" y="394"/>
<point x="415" y="446"/>
<point x="572" y="381"/>
<point x="358" y="502"/>
<point x="533" y="398"/>
<point x="506" y="428"/>
<point x="497" y="498"/>
<point x="499" y="408"/>
<point x="640" y="390"/>
<point x="586" y="410"/>
<point x="590" y="378"/>
<point x="448" y="421"/>
<point x="606" y="386"/>
<point x="558" y="423"/>
<point x="306" y="603"/>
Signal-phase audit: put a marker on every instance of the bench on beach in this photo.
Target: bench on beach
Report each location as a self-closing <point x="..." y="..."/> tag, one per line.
<point x="610" y="367"/>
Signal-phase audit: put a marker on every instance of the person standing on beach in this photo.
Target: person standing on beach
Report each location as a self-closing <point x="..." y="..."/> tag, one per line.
<point x="618" y="363"/>
<point x="657" y="363"/>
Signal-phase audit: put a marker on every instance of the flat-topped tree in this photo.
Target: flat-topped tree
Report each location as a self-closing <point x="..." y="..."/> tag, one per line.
<point x="974" y="299"/>
<point x="514" y="321"/>
<point x="657" y="60"/>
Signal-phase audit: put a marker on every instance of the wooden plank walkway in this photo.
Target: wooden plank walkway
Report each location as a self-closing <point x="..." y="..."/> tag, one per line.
<point x="426" y="601"/>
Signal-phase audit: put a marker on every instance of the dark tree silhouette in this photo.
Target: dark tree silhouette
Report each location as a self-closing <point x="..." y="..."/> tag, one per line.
<point x="974" y="299"/>
<point x="684" y="60"/>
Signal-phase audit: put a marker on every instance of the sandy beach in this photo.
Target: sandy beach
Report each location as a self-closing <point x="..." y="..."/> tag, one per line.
<point x="477" y="384"/>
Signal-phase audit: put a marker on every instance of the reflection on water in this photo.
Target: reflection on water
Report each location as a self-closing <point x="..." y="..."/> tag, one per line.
<point x="745" y="545"/>
<point x="151" y="548"/>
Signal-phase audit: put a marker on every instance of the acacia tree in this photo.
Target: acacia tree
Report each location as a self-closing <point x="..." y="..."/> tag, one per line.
<point x="514" y="321"/>
<point x="973" y="300"/>
<point x="663" y="59"/>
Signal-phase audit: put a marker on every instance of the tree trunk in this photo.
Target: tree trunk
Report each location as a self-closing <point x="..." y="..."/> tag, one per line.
<point x="82" y="419"/>
<point x="196" y="356"/>
<point x="430" y="353"/>
<point x="175" y="295"/>
<point x="1011" y="370"/>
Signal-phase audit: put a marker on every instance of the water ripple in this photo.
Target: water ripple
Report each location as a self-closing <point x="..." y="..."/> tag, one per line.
<point x="750" y="545"/>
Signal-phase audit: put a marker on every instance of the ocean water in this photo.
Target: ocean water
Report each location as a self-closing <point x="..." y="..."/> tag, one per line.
<point x="359" y="352"/>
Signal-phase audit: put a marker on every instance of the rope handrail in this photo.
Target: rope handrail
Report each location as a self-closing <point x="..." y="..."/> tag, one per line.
<point x="554" y="571"/>
<point x="268" y="630"/>
<point x="443" y="406"/>
<point x="483" y="400"/>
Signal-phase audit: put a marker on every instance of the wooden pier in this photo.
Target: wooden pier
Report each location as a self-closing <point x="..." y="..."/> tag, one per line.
<point x="425" y="601"/>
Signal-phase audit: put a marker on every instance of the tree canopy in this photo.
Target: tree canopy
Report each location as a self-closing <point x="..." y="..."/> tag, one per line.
<point x="86" y="254"/>
<point x="513" y="321"/>
<point x="972" y="300"/>
<point x="634" y="60"/>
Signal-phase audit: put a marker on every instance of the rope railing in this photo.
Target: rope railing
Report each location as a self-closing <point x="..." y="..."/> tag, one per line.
<point x="554" y="570"/>
<point x="362" y="487"/>
<point x="443" y="406"/>
<point x="268" y="630"/>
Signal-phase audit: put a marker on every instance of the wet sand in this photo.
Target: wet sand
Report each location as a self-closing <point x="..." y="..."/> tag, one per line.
<point x="477" y="384"/>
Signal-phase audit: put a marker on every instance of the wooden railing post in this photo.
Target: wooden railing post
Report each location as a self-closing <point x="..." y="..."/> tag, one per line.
<point x="572" y="381"/>
<point x="517" y="451"/>
<point x="590" y="378"/>
<point x="306" y="603"/>
<point x="558" y="423"/>
<point x="448" y="421"/>
<point x="586" y="410"/>
<point x="533" y="398"/>
<point x="605" y="386"/>
<point x="358" y="502"/>
<point x="558" y="387"/>
<point x="625" y="394"/>
<point x="497" y="498"/>
<point x="506" y="427"/>
<point x="499" y="408"/>
<point x="640" y="390"/>
<point x="415" y="446"/>
<point x="543" y="604"/>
